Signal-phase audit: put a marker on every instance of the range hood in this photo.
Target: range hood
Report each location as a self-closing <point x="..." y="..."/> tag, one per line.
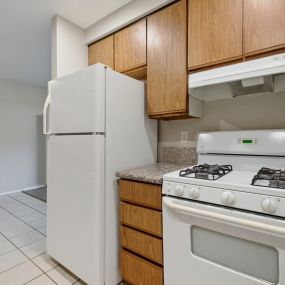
<point x="251" y="77"/>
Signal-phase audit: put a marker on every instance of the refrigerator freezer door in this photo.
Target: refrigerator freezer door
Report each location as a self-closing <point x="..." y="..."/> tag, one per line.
<point x="75" y="223"/>
<point x="77" y="103"/>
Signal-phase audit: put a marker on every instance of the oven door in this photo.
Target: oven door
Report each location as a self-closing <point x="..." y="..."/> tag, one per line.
<point x="205" y="244"/>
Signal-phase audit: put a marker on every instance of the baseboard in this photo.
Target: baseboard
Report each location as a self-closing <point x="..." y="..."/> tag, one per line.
<point x="24" y="189"/>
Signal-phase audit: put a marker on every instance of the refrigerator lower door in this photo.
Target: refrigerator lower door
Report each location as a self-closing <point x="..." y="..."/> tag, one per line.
<point x="75" y="201"/>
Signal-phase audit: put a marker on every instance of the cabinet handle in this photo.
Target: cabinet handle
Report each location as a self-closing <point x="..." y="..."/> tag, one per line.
<point x="47" y="103"/>
<point x="252" y="225"/>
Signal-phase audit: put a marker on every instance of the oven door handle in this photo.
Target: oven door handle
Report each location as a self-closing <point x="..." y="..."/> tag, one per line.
<point x="275" y="230"/>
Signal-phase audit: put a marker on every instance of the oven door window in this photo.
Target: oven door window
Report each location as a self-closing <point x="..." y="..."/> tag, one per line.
<point x="247" y="257"/>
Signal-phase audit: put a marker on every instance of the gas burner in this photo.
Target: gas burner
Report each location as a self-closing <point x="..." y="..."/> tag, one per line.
<point x="268" y="177"/>
<point x="206" y="171"/>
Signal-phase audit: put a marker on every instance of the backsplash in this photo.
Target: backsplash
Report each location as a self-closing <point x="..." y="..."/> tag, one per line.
<point x="178" y="155"/>
<point x="251" y="112"/>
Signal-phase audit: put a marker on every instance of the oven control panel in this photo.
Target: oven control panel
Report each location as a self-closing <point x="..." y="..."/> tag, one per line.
<point x="228" y="198"/>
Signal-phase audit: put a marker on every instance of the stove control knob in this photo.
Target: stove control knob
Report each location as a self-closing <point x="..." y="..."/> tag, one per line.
<point x="269" y="205"/>
<point x="167" y="187"/>
<point x="228" y="198"/>
<point x="194" y="192"/>
<point x="179" y="191"/>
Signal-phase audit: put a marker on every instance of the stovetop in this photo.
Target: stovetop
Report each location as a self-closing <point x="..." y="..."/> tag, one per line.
<point x="266" y="177"/>
<point x="269" y="177"/>
<point x="206" y="171"/>
<point x="236" y="180"/>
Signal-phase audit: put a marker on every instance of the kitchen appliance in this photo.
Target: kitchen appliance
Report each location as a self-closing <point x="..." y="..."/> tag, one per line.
<point x="224" y="219"/>
<point x="250" y="77"/>
<point x="96" y="127"/>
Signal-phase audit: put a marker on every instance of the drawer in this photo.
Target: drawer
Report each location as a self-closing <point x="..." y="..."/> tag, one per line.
<point x="144" y="194"/>
<point x="138" y="271"/>
<point x="141" y="243"/>
<point x="141" y="218"/>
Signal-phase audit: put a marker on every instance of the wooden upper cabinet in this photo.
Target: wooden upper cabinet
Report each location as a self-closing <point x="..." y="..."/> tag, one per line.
<point x="264" y="25"/>
<point x="167" y="62"/>
<point x="102" y="51"/>
<point x="130" y="47"/>
<point x="214" y="32"/>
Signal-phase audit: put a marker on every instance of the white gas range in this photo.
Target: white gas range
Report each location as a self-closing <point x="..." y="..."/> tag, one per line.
<point x="224" y="219"/>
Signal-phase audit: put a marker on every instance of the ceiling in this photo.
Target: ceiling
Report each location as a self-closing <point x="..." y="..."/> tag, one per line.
<point x="25" y="33"/>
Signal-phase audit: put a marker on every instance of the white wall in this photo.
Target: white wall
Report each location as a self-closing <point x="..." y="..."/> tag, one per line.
<point x="69" y="41"/>
<point x="266" y="111"/>
<point x="122" y="17"/>
<point x="22" y="144"/>
<point x="69" y="51"/>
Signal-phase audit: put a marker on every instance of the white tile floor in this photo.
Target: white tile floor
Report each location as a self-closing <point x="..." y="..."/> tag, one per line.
<point x="23" y="257"/>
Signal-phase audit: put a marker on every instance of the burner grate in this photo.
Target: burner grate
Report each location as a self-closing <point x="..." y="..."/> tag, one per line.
<point x="206" y="171"/>
<point x="268" y="177"/>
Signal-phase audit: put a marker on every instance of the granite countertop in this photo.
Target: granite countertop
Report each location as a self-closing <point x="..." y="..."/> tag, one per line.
<point x="151" y="173"/>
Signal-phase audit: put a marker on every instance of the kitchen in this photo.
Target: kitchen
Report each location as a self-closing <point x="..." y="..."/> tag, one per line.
<point x="196" y="86"/>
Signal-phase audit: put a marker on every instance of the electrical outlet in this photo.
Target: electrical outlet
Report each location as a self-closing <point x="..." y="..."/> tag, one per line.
<point x="184" y="137"/>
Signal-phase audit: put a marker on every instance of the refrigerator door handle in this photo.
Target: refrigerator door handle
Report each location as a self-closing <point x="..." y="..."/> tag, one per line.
<point x="47" y="102"/>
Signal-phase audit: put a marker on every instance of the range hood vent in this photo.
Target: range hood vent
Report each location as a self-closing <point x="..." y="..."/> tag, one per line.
<point x="262" y="85"/>
<point x="252" y="77"/>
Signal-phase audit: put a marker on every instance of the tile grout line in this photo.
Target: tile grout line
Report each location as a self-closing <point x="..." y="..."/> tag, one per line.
<point x="23" y="216"/>
<point x="39" y="277"/>
<point x="26" y="204"/>
<point x="32" y="228"/>
<point x="18" y="248"/>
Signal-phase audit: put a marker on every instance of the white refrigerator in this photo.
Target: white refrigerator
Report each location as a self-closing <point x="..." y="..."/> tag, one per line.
<point x="96" y="125"/>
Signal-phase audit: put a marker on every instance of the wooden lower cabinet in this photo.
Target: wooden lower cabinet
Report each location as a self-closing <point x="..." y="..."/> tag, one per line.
<point x="144" y="194"/>
<point x="141" y="218"/>
<point x="138" y="271"/>
<point x="141" y="243"/>
<point x="141" y="233"/>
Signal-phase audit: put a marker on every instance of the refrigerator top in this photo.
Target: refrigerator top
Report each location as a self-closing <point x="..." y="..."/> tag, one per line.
<point x="77" y="102"/>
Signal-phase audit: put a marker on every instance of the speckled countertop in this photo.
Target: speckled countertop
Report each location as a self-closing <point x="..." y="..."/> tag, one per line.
<point x="152" y="173"/>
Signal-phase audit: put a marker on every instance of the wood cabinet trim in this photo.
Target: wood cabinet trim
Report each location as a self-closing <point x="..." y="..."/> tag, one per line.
<point x="266" y="52"/>
<point x="139" y="73"/>
<point x="218" y="63"/>
<point x="133" y="68"/>
<point x="171" y="113"/>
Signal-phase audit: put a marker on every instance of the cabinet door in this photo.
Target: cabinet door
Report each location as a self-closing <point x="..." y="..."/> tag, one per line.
<point x="264" y="25"/>
<point x="167" y="61"/>
<point x="140" y="193"/>
<point x="130" y="47"/>
<point x="215" y="32"/>
<point x="138" y="271"/>
<point x="102" y="51"/>
<point x="141" y="218"/>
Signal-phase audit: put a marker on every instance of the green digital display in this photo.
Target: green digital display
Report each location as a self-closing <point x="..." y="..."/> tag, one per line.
<point x="247" y="141"/>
